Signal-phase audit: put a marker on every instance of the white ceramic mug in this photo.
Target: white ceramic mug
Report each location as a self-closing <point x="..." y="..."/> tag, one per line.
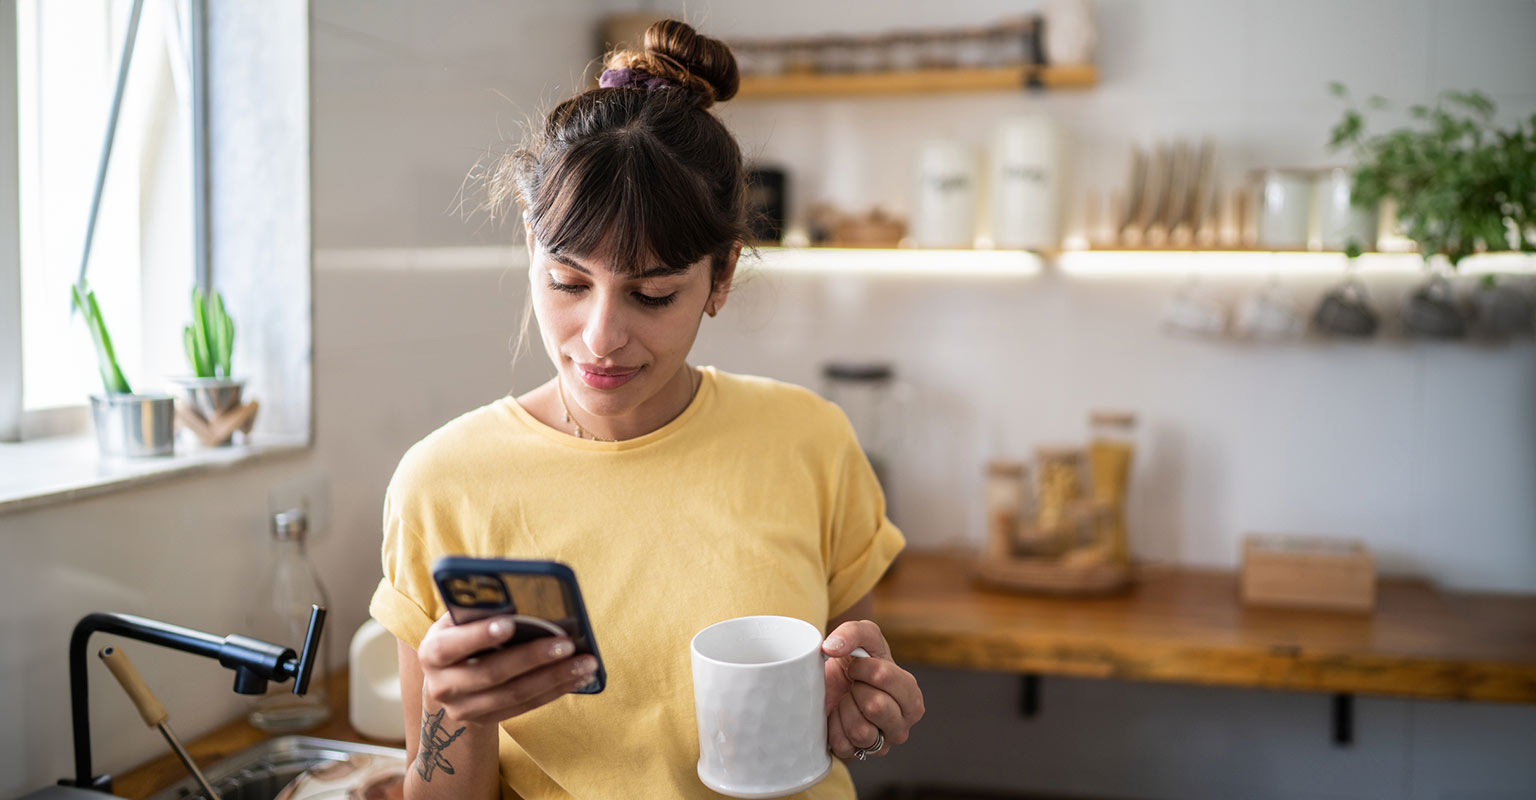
<point x="759" y="694"/>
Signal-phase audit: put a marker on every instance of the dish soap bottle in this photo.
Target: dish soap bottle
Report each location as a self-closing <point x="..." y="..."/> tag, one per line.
<point x="280" y="614"/>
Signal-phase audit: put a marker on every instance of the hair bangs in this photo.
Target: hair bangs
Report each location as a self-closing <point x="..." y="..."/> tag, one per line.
<point x="603" y="200"/>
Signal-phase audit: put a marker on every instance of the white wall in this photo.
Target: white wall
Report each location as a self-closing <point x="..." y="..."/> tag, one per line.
<point x="404" y="98"/>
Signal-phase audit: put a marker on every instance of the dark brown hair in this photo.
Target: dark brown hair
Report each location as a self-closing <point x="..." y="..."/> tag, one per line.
<point x="642" y="177"/>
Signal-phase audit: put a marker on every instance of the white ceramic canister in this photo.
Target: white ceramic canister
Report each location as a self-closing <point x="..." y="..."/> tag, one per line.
<point x="1339" y="220"/>
<point x="944" y="213"/>
<point x="1071" y="33"/>
<point x="374" y="694"/>
<point x="1283" y="208"/>
<point x="1026" y="184"/>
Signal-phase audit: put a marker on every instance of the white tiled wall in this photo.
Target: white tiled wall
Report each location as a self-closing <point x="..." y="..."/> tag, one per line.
<point x="1427" y="450"/>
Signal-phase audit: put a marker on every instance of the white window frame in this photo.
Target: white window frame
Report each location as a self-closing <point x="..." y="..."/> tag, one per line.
<point x="10" y="233"/>
<point x="17" y="423"/>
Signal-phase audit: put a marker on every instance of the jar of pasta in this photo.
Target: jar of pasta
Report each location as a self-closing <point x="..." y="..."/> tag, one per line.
<point x="1058" y="494"/>
<point x="1110" y="448"/>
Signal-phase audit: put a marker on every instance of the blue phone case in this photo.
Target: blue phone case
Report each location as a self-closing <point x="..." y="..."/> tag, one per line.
<point x="544" y="594"/>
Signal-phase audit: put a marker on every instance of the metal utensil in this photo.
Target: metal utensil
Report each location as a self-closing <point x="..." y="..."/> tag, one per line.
<point x="151" y="710"/>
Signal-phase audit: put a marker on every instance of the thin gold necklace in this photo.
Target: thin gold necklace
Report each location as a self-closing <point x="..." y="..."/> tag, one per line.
<point x="583" y="433"/>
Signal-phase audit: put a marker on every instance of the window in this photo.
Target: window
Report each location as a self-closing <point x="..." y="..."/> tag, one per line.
<point x="212" y="139"/>
<point x="143" y="257"/>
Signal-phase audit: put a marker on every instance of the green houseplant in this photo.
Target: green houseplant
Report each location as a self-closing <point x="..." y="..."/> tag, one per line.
<point x="211" y="391"/>
<point x="1460" y="185"/>
<point x="127" y="424"/>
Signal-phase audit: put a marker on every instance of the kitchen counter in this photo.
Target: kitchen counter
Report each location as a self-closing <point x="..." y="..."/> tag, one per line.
<point x="1189" y="626"/>
<point x="146" y="779"/>
<point x="1173" y="625"/>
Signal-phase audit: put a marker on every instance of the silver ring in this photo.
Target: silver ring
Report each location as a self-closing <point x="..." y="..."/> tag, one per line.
<point x="864" y="752"/>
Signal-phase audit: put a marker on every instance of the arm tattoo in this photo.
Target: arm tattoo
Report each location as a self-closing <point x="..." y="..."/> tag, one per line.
<point x="433" y="742"/>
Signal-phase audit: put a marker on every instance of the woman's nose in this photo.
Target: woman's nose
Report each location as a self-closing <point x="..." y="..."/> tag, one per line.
<point x="605" y="331"/>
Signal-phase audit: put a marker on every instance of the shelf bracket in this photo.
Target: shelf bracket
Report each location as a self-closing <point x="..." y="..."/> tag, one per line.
<point x="1343" y="719"/>
<point x="1029" y="697"/>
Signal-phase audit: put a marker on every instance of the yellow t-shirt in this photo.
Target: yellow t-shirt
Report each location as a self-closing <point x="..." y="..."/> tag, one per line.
<point x="755" y="500"/>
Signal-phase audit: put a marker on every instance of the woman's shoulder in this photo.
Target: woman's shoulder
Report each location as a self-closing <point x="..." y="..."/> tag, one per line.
<point x="453" y="448"/>
<point x="774" y="403"/>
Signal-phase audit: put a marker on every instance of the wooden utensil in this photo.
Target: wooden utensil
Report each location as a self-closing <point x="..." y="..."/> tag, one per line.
<point x="151" y="710"/>
<point x="1135" y="188"/>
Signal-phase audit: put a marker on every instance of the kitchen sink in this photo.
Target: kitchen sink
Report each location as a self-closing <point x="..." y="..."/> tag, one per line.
<point x="261" y="771"/>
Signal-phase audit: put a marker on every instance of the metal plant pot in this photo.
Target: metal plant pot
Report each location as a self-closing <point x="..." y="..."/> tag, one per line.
<point x="211" y="397"/>
<point x="134" y="425"/>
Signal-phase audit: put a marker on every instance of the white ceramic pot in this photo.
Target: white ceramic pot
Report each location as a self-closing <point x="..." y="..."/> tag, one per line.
<point x="1284" y="208"/>
<point x="1071" y="33"/>
<point x="1339" y="220"/>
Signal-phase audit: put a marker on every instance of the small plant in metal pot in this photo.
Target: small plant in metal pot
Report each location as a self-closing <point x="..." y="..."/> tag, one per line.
<point x="1461" y="185"/>
<point x="212" y="391"/>
<point x="127" y="424"/>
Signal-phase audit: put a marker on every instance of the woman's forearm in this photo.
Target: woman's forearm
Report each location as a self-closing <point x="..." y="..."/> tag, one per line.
<point x="454" y="760"/>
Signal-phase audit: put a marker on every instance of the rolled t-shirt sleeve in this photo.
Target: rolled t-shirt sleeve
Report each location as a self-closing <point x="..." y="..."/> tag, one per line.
<point x="405" y="601"/>
<point x="863" y="540"/>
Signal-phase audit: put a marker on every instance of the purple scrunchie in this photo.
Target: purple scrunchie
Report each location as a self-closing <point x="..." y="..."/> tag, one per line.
<point x="625" y="77"/>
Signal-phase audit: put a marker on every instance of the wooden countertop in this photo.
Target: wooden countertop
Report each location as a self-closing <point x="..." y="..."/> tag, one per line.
<point x="1173" y="625"/>
<point x="146" y="779"/>
<point x="1188" y="626"/>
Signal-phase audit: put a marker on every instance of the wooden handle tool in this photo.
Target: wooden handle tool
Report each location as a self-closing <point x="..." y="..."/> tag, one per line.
<point x="151" y="710"/>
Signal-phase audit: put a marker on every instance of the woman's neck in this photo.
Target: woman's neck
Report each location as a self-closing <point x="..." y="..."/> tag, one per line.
<point x="650" y="416"/>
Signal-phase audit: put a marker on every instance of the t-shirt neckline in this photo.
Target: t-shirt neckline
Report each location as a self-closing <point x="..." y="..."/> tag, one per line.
<point x="701" y="398"/>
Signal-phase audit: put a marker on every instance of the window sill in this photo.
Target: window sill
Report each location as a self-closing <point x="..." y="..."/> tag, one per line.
<point x="61" y="469"/>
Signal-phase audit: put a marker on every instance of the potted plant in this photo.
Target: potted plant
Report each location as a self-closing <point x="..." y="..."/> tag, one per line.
<point x="1460" y="185"/>
<point x="127" y="424"/>
<point x="211" y="392"/>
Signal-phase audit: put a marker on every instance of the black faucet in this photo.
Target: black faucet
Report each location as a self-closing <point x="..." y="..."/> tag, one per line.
<point x="255" y="663"/>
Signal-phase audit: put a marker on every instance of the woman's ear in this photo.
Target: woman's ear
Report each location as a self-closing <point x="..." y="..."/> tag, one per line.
<point x="722" y="286"/>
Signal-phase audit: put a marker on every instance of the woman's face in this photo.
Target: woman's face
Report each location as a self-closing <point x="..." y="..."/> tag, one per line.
<point x="618" y="341"/>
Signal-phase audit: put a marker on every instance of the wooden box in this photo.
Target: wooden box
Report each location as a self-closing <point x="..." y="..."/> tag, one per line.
<point x="1308" y="572"/>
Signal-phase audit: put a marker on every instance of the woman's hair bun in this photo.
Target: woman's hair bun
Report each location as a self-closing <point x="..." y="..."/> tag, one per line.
<point x="674" y="51"/>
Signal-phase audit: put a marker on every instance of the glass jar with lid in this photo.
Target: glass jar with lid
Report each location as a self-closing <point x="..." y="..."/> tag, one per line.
<point x="1110" y="450"/>
<point x="1010" y="504"/>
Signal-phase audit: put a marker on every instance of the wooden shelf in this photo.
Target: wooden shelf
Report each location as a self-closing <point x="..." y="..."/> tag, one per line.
<point x="917" y="81"/>
<point x="1189" y="626"/>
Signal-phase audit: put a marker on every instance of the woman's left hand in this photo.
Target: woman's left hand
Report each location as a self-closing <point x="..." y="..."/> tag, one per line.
<point x="867" y="698"/>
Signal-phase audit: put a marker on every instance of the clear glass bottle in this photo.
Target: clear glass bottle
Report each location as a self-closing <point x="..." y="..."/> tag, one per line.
<point x="280" y="614"/>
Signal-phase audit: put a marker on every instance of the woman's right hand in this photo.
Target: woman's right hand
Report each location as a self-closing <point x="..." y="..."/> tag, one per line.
<point x="501" y="684"/>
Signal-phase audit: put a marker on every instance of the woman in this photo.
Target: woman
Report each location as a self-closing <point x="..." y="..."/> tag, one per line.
<point x="680" y="496"/>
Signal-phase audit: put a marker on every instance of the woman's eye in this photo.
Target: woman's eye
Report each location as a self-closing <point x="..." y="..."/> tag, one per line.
<point x="655" y="302"/>
<point x="568" y="288"/>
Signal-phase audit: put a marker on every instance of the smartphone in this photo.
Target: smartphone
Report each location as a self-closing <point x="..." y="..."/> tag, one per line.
<point x="541" y="596"/>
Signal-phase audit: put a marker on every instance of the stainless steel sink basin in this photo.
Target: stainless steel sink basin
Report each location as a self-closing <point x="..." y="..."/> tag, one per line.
<point x="260" y="772"/>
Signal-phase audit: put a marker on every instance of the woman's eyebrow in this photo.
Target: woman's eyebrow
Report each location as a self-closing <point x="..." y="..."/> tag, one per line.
<point x="653" y="272"/>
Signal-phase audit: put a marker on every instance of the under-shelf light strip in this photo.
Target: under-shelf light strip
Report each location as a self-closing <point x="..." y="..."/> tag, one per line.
<point x="832" y="261"/>
<point x="1131" y="263"/>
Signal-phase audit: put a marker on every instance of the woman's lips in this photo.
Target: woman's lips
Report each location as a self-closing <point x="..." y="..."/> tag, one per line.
<point x="606" y="377"/>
